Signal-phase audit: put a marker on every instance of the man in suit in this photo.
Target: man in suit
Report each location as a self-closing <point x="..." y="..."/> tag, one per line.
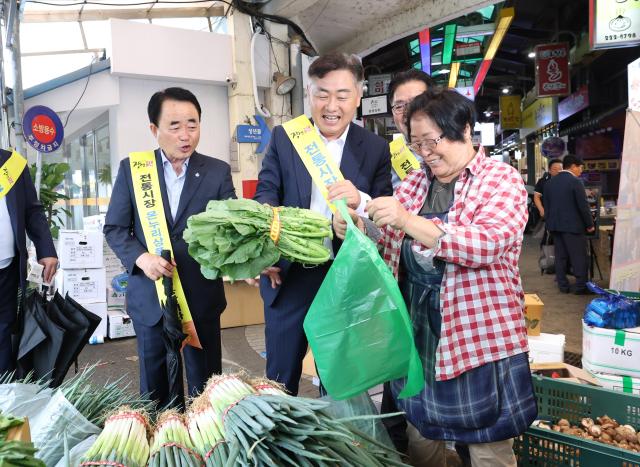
<point x="569" y="219"/>
<point x="364" y="160"/>
<point x="188" y="181"/>
<point x="403" y="88"/>
<point x="21" y="214"/>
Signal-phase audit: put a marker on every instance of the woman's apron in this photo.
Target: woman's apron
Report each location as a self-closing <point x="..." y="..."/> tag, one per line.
<point x="490" y="403"/>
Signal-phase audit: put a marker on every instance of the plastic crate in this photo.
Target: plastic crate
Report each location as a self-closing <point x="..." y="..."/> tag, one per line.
<point x="631" y="295"/>
<point x="562" y="399"/>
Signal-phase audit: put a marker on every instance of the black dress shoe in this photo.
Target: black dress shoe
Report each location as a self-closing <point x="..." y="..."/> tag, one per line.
<point x="583" y="292"/>
<point x="563" y="289"/>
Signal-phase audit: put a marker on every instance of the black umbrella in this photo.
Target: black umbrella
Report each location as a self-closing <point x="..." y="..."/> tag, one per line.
<point x="75" y="311"/>
<point x="40" y="359"/>
<point x="173" y="338"/>
<point x="73" y="341"/>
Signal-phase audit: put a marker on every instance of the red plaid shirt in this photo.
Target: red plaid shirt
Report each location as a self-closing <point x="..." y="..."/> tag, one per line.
<point x="481" y="298"/>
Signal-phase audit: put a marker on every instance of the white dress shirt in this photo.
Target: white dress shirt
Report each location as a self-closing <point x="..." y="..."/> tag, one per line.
<point x="7" y="240"/>
<point x="318" y="203"/>
<point x="174" y="182"/>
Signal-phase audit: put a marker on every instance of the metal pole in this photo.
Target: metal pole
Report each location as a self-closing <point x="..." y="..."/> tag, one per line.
<point x="295" y="63"/>
<point x="18" y="96"/>
<point x="38" y="173"/>
<point x="4" y="113"/>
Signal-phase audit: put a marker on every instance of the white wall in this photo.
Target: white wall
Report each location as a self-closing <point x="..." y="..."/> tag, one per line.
<point x="147" y="50"/>
<point x="129" y="120"/>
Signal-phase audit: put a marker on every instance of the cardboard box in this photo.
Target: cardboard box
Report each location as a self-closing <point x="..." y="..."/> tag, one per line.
<point x="20" y="432"/>
<point x="546" y="348"/>
<point x="95" y="223"/>
<point x="533" y="307"/>
<point x="244" y="305"/>
<point x="115" y="299"/>
<point x="618" y="383"/>
<point x="83" y="285"/>
<point x="120" y="324"/>
<point x="99" y="309"/>
<point x="611" y="351"/>
<point x="563" y="371"/>
<point x="79" y="249"/>
<point x="309" y="365"/>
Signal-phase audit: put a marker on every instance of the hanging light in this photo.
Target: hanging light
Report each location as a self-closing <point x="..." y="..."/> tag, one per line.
<point x="531" y="55"/>
<point x="505" y="90"/>
<point x="284" y="83"/>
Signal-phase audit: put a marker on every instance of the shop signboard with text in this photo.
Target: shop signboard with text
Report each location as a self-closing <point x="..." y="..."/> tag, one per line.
<point x="510" y="112"/>
<point x="378" y="84"/>
<point x="374" y="105"/>
<point x="614" y="23"/>
<point x="573" y="104"/>
<point x="552" y="70"/>
<point x="537" y="115"/>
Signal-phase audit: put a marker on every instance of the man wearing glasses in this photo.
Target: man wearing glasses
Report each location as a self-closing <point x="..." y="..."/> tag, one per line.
<point x="404" y="87"/>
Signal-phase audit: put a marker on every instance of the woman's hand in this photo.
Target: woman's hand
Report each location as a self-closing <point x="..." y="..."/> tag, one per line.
<point x="340" y="225"/>
<point x="388" y="211"/>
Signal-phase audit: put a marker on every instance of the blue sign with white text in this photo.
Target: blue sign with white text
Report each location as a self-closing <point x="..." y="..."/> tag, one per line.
<point x="254" y="134"/>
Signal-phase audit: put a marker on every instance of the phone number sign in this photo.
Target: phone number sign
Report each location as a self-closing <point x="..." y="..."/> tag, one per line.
<point x="43" y="129"/>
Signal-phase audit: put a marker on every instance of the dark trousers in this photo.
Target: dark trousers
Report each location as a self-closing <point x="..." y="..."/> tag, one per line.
<point x="571" y="248"/>
<point x="285" y="339"/>
<point x="9" y="280"/>
<point x="396" y="426"/>
<point x="199" y="364"/>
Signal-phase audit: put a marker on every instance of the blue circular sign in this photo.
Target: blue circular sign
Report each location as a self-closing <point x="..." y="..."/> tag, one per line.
<point x="43" y="129"/>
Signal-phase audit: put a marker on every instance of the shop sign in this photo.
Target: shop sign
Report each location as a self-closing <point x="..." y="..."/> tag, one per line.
<point x="374" y="105"/>
<point x="469" y="50"/>
<point x="259" y="133"/>
<point x="378" y="84"/>
<point x="538" y="114"/>
<point x="510" y="112"/>
<point x="43" y="129"/>
<point x="553" y="147"/>
<point x="573" y="104"/>
<point x="634" y="85"/>
<point x="467" y="91"/>
<point x="614" y="23"/>
<point x="552" y="70"/>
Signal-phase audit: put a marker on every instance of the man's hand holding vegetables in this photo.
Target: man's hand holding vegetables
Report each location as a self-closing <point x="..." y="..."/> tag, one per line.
<point x="365" y="163"/>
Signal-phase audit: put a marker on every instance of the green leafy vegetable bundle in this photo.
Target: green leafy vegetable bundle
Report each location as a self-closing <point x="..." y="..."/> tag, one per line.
<point x="15" y="453"/>
<point x="238" y="238"/>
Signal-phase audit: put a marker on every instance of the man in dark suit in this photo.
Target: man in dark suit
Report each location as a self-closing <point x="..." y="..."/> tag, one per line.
<point x="569" y="219"/>
<point x="21" y="214"/>
<point x="364" y="160"/>
<point x="188" y="181"/>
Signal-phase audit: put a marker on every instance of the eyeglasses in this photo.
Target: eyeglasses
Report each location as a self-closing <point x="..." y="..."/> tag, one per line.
<point x="430" y="144"/>
<point x="399" y="108"/>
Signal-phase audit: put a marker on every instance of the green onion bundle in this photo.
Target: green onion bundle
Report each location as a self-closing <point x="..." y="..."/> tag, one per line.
<point x="206" y="432"/>
<point x="264" y="426"/>
<point x="171" y="444"/>
<point x="238" y="238"/>
<point x="123" y="442"/>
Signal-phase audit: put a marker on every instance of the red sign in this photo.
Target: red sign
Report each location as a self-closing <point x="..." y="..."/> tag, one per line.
<point x="552" y="70"/>
<point x="576" y="102"/>
<point x="464" y="50"/>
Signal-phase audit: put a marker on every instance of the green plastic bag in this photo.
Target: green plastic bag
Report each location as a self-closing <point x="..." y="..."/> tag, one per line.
<point x="358" y="325"/>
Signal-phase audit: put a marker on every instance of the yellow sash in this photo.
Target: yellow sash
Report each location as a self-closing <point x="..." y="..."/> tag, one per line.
<point x="307" y="142"/>
<point x="10" y="172"/>
<point x="402" y="159"/>
<point x="146" y="187"/>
